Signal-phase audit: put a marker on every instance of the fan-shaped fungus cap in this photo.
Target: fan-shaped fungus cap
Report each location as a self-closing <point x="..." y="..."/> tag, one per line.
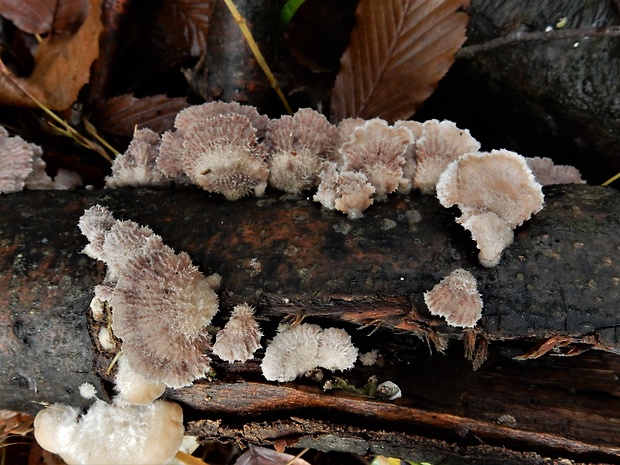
<point x="416" y="128"/>
<point x="377" y="150"/>
<point x="137" y="167"/>
<point x="111" y="434"/>
<point x="304" y="347"/>
<point x="240" y="338"/>
<point x="347" y="191"/>
<point x="498" y="182"/>
<point x="161" y="307"/>
<point x="441" y="142"/>
<point x="456" y="298"/>
<point x="15" y="162"/>
<point x="221" y="155"/>
<point x="546" y="172"/>
<point x="161" y="303"/>
<point x="190" y="115"/>
<point x="297" y="147"/>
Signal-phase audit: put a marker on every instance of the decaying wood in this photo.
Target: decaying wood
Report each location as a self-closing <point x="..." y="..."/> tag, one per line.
<point x="555" y="290"/>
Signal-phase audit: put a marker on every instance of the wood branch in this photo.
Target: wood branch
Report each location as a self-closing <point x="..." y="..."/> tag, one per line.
<point x="555" y="290"/>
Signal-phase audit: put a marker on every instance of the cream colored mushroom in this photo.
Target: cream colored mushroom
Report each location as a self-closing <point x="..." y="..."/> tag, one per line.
<point x="111" y="434"/>
<point x="456" y="298"/>
<point x="498" y="182"/>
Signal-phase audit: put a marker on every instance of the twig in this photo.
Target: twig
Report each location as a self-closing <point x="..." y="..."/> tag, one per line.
<point x="65" y="128"/>
<point x="256" y="52"/>
<point x="516" y="37"/>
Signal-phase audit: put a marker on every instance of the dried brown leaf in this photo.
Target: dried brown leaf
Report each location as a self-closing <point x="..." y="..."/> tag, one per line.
<point x="43" y="16"/>
<point x="120" y="115"/>
<point x="256" y="455"/>
<point x="399" y="50"/>
<point x="62" y="67"/>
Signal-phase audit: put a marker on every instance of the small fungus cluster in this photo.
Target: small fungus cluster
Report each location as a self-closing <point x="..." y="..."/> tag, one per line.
<point x="22" y="166"/>
<point x="231" y="149"/>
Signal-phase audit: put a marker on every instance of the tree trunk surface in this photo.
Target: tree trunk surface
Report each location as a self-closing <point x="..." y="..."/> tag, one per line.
<point x="556" y="291"/>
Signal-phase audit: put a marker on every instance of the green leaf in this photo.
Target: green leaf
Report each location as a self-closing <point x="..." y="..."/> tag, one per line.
<point x="288" y="10"/>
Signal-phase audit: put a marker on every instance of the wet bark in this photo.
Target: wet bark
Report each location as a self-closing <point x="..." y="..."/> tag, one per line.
<point x="555" y="291"/>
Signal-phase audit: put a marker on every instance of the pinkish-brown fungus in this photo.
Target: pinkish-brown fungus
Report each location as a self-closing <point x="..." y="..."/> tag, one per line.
<point x="346" y="191"/>
<point x="161" y="303"/>
<point x="547" y="173"/>
<point x="240" y="338"/>
<point x="137" y="166"/>
<point x="15" y="162"/>
<point x="456" y="298"/>
<point x="298" y="146"/>
<point x="440" y="143"/>
<point x="377" y="150"/>
<point x="499" y="183"/>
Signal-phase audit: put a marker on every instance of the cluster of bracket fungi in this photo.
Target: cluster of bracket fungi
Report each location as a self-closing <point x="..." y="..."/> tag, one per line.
<point x="158" y="298"/>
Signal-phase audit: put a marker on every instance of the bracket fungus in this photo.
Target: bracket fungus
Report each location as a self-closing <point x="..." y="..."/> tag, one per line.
<point x="346" y="191"/>
<point x="161" y="303"/>
<point x="377" y="150"/>
<point x="499" y="183"/>
<point x="216" y="147"/>
<point x="137" y="166"/>
<point x="297" y="148"/>
<point x="240" y="337"/>
<point x="15" y="162"/>
<point x="305" y="347"/>
<point x="440" y="143"/>
<point x="111" y="433"/>
<point x="547" y="173"/>
<point x="456" y="298"/>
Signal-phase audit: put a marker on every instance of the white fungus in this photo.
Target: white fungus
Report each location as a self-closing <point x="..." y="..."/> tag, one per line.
<point x="161" y="303"/>
<point x="498" y="182"/>
<point x="305" y="347"/>
<point x="111" y="434"/>
<point x="240" y="338"/>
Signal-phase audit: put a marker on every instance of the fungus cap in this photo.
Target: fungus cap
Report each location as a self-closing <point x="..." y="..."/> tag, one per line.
<point x="440" y="143"/>
<point x="499" y="182"/>
<point x="240" y="337"/>
<point x="456" y="298"/>
<point x="377" y="150"/>
<point x="137" y="166"/>
<point x="111" y="434"/>
<point x="15" y="162"/>
<point x="547" y="173"/>
<point x="305" y="347"/>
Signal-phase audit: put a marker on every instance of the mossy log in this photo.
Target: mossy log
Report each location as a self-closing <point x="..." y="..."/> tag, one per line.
<point x="555" y="292"/>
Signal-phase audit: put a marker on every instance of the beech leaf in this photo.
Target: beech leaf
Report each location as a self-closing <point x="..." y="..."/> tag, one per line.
<point x="62" y="67"/>
<point x="42" y="16"/>
<point x="398" y="52"/>
<point x="120" y="115"/>
<point x="256" y="455"/>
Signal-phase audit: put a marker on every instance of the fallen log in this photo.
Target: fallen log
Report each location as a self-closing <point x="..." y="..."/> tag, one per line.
<point x="555" y="291"/>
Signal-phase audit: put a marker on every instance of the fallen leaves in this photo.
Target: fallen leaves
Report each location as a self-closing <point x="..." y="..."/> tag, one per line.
<point x="62" y="63"/>
<point x="399" y="50"/>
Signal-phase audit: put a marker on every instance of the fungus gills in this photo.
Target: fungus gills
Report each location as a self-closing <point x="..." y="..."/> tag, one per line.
<point x="456" y="298"/>
<point x="240" y="338"/>
<point x="161" y="303"/>
<point x="305" y="347"/>
<point x="496" y="192"/>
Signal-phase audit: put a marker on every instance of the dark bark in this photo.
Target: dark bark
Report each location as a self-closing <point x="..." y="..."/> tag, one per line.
<point x="557" y="285"/>
<point x="539" y="93"/>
